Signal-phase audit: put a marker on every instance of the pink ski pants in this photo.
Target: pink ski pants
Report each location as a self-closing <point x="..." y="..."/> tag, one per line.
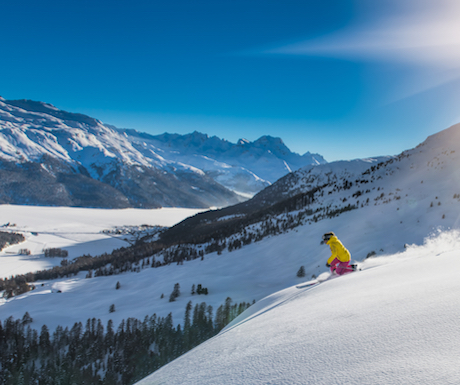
<point x="340" y="267"/>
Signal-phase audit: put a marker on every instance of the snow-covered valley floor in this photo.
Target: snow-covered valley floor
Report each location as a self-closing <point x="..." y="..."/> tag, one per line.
<point x="77" y="230"/>
<point x="394" y="322"/>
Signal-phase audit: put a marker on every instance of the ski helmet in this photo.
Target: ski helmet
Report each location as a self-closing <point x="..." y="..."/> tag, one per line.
<point x="328" y="236"/>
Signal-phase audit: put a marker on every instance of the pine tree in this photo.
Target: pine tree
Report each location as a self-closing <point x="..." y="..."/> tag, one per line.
<point x="175" y="293"/>
<point x="301" y="272"/>
<point x="109" y="336"/>
<point x="44" y="340"/>
<point x="187" y="326"/>
<point x="187" y="317"/>
<point x="26" y="319"/>
<point x="227" y="310"/>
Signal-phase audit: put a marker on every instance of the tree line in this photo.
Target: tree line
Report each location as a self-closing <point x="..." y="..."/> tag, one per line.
<point x="7" y="239"/>
<point x="93" y="354"/>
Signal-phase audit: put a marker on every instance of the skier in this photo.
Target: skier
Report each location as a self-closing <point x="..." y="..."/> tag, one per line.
<point x="338" y="262"/>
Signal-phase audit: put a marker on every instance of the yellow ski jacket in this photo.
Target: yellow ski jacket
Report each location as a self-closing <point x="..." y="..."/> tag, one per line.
<point x="338" y="250"/>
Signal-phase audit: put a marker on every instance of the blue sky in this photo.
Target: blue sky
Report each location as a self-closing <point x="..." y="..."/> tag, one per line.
<point x="343" y="78"/>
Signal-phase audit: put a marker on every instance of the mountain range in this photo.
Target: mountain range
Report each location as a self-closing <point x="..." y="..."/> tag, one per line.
<point x="53" y="157"/>
<point x="245" y="167"/>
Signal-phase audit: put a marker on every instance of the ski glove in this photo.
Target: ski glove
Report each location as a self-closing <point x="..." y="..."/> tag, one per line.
<point x="328" y="265"/>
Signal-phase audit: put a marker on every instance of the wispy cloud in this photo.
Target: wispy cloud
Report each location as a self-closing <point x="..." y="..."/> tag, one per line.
<point x="427" y="35"/>
<point x="424" y="35"/>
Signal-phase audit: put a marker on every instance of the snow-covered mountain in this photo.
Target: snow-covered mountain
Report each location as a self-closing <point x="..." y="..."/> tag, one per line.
<point x="53" y="157"/>
<point x="401" y="307"/>
<point x="245" y="167"/>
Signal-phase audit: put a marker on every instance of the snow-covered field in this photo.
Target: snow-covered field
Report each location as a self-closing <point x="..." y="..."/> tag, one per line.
<point x="394" y="322"/>
<point x="77" y="230"/>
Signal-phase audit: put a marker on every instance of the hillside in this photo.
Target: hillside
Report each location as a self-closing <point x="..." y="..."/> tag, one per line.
<point x="395" y="322"/>
<point x="413" y="182"/>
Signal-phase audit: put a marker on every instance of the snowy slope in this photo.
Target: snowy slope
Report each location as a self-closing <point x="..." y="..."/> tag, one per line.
<point x="311" y="177"/>
<point x="250" y="273"/>
<point x="395" y="322"/>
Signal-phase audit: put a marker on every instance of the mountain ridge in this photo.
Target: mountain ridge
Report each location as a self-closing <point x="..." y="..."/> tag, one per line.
<point x="258" y="163"/>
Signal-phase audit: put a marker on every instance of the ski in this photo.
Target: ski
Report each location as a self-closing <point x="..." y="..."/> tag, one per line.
<point x="326" y="276"/>
<point x="306" y="284"/>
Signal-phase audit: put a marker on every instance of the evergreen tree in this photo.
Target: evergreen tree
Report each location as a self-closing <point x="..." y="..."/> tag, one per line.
<point x="44" y="340"/>
<point x="187" y="317"/>
<point x="227" y="310"/>
<point x="301" y="272"/>
<point x="26" y="319"/>
<point x="109" y="336"/>
<point x="175" y="293"/>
